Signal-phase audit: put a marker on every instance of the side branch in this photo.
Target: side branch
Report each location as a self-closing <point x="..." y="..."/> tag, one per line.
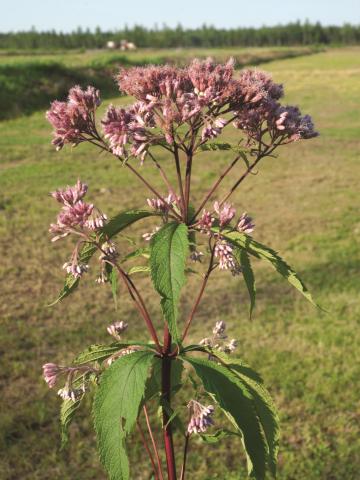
<point x="147" y="449"/>
<point x="199" y="297"/>
<point x="214" y="187"/>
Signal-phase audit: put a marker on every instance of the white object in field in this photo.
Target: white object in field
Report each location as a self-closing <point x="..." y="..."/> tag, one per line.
<point x="110" y="44"/>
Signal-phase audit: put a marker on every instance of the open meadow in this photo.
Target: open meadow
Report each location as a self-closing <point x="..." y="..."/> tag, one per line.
<point x="305" y="204"/>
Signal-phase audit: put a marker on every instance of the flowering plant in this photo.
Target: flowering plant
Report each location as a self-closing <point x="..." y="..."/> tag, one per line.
<point x="182" y="111"/>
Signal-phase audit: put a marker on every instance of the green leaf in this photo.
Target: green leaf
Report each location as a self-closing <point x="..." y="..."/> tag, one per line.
<point x="236" y="401"/>
<point x="116" y="407"/>
<point x="67" y="413"/>
<point x="266" y="253"/>
<point x="69" y="408"/>
<point x="115" y="225"/>
<point x="139" y="252"/>
<point x="99" y="353"/>
<point x="248" y="274"/>
<point x="139" y="269"/>
<point x="124" y="220"/>
<point x="217" y="436"/>
<point x="214" y="146"/>
<point x="169" y="250"/>
<point x="266" y="412"/>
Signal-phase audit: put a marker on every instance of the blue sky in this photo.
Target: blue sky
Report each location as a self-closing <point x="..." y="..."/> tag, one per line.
<point x="109" y="14"/>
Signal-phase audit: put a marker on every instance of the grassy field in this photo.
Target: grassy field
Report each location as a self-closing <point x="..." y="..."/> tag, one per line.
<point x="306" y="205"/>
<point x="30" y="82"/>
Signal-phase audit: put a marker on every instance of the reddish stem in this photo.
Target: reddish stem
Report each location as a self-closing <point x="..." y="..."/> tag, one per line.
<point x="214" y="187"/>
<point x="178" y="171"/>
<point x="166" y="395"/>
<point x="147" y="449"/>
<point x="199" y="297"/>
<point x="153" y="443"/>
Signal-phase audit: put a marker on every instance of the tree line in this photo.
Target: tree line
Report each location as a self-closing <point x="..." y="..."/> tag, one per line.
<point x="296" y="33"/>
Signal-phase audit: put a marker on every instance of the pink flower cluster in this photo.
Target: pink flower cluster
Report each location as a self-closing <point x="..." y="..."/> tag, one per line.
<point x="75" y="213"/>
<point x="201" y="417"/>
<point x="74" y="119"/>
<point x="164" y="206"/>
<point x="122" y="126"/>
<point x="260" y="112"/>
<point x="217" y="340"/>
<point x="168" y="97"/>
<point x="78" y="217"/>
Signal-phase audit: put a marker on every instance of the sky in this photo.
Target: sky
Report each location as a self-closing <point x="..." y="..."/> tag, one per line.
<point x="67" y="15"/>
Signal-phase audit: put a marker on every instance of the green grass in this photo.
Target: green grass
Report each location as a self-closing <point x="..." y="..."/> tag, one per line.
<point x="305" y="204"/>
<point x="28" y="83"/>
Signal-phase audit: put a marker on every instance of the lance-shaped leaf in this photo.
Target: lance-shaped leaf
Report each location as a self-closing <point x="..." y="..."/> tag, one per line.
<point x="99" y="353"/>
<point x="169" y="250"/>
<point x="116" y="407"/>
<point x="138" y="269"/>
<point x="69" y="408"/>
<point x="217" y="436"/>
<point x="263" y="403"/>
<point x="266" y="253"/>
<point x="67" y="413"/>
<point x="266" y="412"/>
<point x="236" y="401"/>
<point x="243" y="259"/>
<point x="113" y="227"/>
<point x="139" y="252"/>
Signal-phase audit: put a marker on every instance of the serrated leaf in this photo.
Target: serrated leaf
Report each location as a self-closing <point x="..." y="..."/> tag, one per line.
<point x="266" y="253"/>
<point x="113" y="227"/>
<point x="139" y="269"/>
<point x="248" y="274"/>
<point x="266" y="412"/>
<point x="99" y="353"/>
<point x="214" y="146"/>
<point x="217" y="436"/>
<point x="68" y="410"/>
<point x="236" y="401"/>
<point x="226" y="360"/>
<point x="116" y="407"/>
<point x="168" y="252"/>
<point x="139" y="252"/>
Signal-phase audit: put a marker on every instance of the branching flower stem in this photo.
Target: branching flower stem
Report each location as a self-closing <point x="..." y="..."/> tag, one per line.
<point x="137" y="299"/>
<point x="186" y="447"/>
<point x="214" y="187"/>
<point x="201" y="292"/>
<point x="143" y="439"/>
<point x="163" y="175"/>
<point x="179" y="176"/>
<point x="156" y="451"/>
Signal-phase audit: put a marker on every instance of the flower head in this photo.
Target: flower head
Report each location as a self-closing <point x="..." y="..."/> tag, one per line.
<point x="245" y="224"/>
<point x="201" y="417"/>
<point x="70" y="195"/>
<point x="219" y="329"/>
<point x="226" y="213"/>
<point x="223" y="252"/>
<point x="288" y="121"/>
<point x="51" y="372"/>
<point x="74" y="118"/>
<point x="117" y="328"/>
<point x="206" y="221"/>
